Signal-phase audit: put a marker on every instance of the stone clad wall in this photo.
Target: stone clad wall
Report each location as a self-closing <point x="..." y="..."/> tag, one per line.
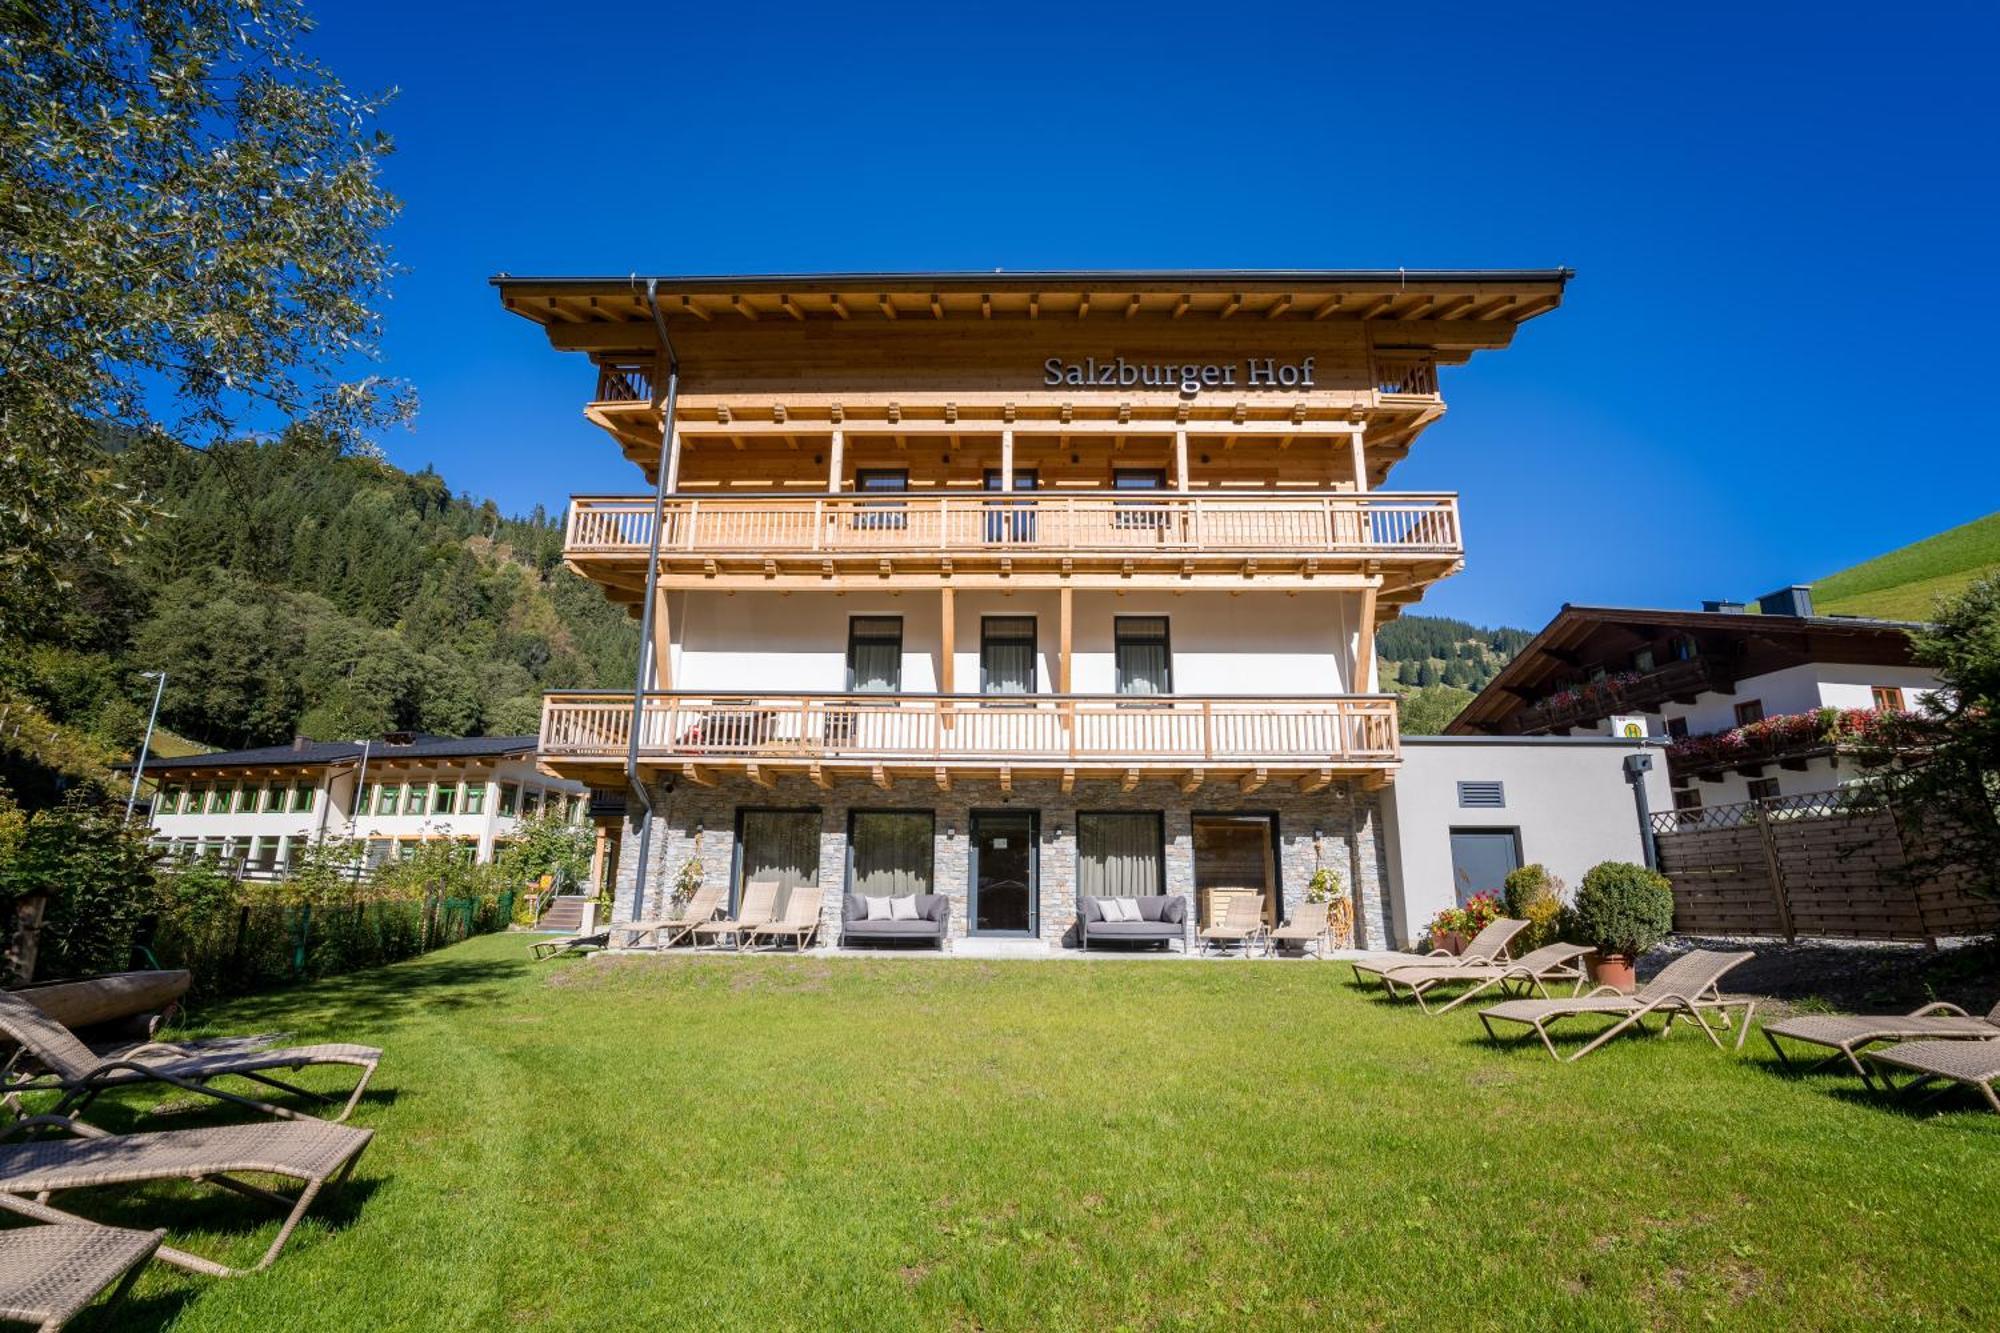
<point x="1349" y="821"/>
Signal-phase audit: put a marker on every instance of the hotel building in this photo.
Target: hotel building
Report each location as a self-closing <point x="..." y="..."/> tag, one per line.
<point x="1015" y="587"/>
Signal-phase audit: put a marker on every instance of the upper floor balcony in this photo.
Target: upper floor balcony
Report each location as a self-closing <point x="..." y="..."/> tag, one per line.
<point x="1307" y="740"/>
<point x="1108" y="538"/>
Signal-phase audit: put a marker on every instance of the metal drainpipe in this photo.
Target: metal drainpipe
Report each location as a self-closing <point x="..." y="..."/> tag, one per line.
<point x="632" y="781"/>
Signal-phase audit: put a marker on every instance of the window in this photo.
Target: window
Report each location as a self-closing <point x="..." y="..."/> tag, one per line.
<point x="1120" y="855"/>
<point x="1482" y="795"/>
<point x="446" y="801"/>
<point x="887" y="514"/>
<point x="218" y="799"/>
<point x="889" y="852"/>
<point x="302" y="797"/>
<point x="874" y="654"/>
<point x="1139" y="513"/>
<point x="1010" y="520"/>
<point x="1143" y="662"/>
<point x="1482" y="858"/>
<point x="1007" y="655"/>
<point x="415" y="796"/>
<point x="1888" y="698"/>
<point x="1642" y="660"/>
<point x="1685" y="649"/>
<point x="378" y="853"/>
<point x="1763" y="789"/>
<point x="1750" y="710"/>
<point x="1596" y="675"/>
<point x="244" y="801"/>
<point x="510" y="799"/>
<point x="295" y="849"/>
<point x="475" y="798"/>
<point x="776" y="844"/>
<point x="1677" y="727"/>
<point x="166" y="800"/>
<point x="1687" y="805"/>
<point x="388" y="795"/>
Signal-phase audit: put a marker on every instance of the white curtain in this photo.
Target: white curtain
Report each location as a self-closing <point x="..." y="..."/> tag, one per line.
<point x="1118" y="856"/>
<point x="1007" y="654"/>
<point x="781" y="845"/>
<point x="1142" y="655"/>
<point x="892" y="853"/>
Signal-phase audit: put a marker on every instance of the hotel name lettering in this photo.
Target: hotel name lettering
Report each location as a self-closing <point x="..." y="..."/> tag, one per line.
<point x="1118" y="373"/>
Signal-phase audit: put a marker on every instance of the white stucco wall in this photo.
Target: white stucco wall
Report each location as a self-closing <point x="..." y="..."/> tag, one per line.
<point x="1263" y="642"/>
<point x="1567" y="797"/>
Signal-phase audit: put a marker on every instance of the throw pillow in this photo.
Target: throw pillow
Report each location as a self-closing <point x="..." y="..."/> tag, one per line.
<point x="1130" y="906"/>
<point x="903" y="908"/>
<point x="878" y="908"/>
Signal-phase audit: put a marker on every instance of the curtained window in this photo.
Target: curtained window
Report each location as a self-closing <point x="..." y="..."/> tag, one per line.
<point x="777" y="844"/>
<point x="1119" y="856"/>
<point x="891" y="852"/>
<point x="1007" y="655"/>
<point x="874" y="654"/>
<point x="1143" y="663"/>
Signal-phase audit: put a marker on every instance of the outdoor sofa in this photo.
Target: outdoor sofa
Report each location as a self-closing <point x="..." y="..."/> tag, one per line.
<point x="930" y="926"/>
<point x="1162" y="921"/>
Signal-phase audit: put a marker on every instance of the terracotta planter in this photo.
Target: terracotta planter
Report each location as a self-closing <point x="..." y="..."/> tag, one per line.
<point x="1451" y="942"/>
<point x="1613" y="969"/>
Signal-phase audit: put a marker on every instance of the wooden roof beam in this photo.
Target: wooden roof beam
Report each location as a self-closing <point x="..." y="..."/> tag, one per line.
<point x="839" y="306"/>
<point x="888" y="306"/>
<point x="986" y="305"/>
<point x="1278" y="307"/>
<point x="1182" y="305"/>
<point x="688" y="307"/>
<point x="1491" y="308"/>
<point x="1327" y="307"/>
<point x="1446" y="309"/>
<point x="1370" y="309"/>
<point x="1253" y="781"/>
<point x="1082" y="304"/>
<point x="937" y="306"/>
<point x="791" y="308"/>
<point x="1132" y="306"/>
<point x="1231" y="306"/>
<point x="743" y="308"/>
<point x="1529" y="309"/>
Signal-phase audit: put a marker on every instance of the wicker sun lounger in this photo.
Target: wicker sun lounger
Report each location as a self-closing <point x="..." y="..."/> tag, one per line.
<point x="800" y="922"/>
<point x="313" y="1153"/>
<point x="1242" y="924"/>
<point x="1488" y="946"/>
<point x="759" y="908"/>
<point x="701" y="906"/>
<point x="48" y="1275"/>
<point x="1848" y="1034"/>
<point x="1531" y="971"/>
<point x="1973" y="1063"/>
<point x="73" y="1069"/>
<point x="1308" y="928"/>
<point x="543" y="950"/>
<point x="1685" y="988"/>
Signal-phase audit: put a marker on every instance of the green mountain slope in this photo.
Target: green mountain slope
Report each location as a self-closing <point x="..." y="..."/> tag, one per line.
<point x="1437" y="664"/>
<point x="1904" y="584"/>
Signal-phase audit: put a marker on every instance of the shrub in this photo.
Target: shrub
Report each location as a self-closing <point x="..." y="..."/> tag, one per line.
<point x="97" y="871"/>
<point x="1622" y="908"/>
<point x="1535" y="896"/>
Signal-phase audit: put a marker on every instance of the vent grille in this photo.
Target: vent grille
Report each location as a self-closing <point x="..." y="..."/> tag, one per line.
<point x="1482" y="796"/>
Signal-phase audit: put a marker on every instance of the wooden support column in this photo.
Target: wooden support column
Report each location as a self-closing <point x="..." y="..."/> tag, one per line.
<point x="1364" y="641"/>
<point x="833" y="461"/>
<point x="946" y="615"/>
<point x="1006" y="458"/>
<point x="1180" y="461"/>
<point x="1360" y="461"/>
<point x="663" y="643"/>
<point x="673" y="463"/>
<point x="1068" y="604"/>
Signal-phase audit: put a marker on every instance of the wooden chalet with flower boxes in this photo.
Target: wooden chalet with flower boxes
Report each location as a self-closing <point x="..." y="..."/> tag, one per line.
<point x="1011" y="587"/>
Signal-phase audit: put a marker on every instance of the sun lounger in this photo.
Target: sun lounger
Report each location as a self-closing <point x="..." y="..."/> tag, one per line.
<point x="48" y="1275"/>
<point x="1551" y="962"/>
<point x="1976" y="1064"/>
<point x="1242" y="924"/>
<point x="701" y="906"/>
<point x="1488" y="946"/>
<point x="543" y="950"/>
<point x="1848" y="1034"/>
<point x="73" y="1069"/>
<point x="1685" y="988"/>
<point x="759" y="908"/>
<point x="800" y="922"/>
<point x="313" y="1153"/>
<point x="1308" y="928"/>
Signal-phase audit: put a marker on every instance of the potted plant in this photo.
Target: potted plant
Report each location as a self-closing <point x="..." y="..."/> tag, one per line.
<point x="1447" y="930"/>
<point x="1621" y="910"/>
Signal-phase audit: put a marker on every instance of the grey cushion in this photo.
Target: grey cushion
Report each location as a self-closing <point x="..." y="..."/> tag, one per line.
<point x="1135" y="930"/>
<point x="919" y="929"/>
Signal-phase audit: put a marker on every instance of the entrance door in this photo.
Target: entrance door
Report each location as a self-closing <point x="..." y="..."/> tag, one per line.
<point x="1234" y="856"/>
<point x="1003" y="872"/>
<point x="1482" y="858"/>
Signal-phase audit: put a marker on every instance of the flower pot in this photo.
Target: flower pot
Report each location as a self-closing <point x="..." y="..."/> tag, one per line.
<point x="1451" y="942"/>
<point x="1613" y="969"/>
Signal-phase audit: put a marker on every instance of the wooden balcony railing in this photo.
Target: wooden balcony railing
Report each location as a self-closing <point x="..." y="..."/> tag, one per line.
<point x="1415" y="376"/>
<point x="625" y="382"/>
<point x="1334" y="523"/>
<point x="1584" y="704"/>
<point x="1166" y="730"/>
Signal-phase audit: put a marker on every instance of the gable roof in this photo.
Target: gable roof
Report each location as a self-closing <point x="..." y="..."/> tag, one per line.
<point x="313" y="754"/>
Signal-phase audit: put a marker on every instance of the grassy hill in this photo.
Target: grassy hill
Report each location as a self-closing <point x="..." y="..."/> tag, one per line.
<point x="1437" y="664"/>
<point x="1904" y="584"/>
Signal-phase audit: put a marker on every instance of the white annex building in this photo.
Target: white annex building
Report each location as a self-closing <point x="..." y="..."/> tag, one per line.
<point x="256" y="809"/>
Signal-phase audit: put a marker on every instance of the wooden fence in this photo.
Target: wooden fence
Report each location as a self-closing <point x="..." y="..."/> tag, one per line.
<point x="1811" y="865"/>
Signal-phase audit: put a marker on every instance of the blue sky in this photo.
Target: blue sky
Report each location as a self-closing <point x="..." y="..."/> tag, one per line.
<point x="1772" y="361"/>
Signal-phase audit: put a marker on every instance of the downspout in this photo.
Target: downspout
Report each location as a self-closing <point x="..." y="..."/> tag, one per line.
<point x="646" y="615"/>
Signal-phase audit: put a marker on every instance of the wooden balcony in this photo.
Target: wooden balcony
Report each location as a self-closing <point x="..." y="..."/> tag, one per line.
<point x="1587" y="704"/>
<point x="1101" y="538"/>
<point x="1306" y="739"/>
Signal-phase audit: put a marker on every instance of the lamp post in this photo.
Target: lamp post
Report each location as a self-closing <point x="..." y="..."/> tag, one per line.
<point x="159" y="679"/>
<point x="360" y="795"/>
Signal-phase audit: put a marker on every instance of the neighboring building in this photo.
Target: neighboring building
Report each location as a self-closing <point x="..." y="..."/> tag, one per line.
<point x="1742" y="697"/>
<point x="257" y="809"/>
<point x="1013" y="587"/>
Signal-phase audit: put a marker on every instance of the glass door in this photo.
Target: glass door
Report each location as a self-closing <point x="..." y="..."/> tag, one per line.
<point x="1004" y="892"/>
<point x="1482" y="858"/>
<point x="1010" y="521"/>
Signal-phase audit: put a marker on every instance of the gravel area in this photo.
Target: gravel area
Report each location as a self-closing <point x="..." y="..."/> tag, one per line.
<point x="1852" y="975"/>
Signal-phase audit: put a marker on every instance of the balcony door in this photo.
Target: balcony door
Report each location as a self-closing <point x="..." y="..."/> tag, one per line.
<point x="1010" y="522"/>
<point x="885" y="515"/>
<point x="1007" y="655"/>
<point x="1004" y="870"/>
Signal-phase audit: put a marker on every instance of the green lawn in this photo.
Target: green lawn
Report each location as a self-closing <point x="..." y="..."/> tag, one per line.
<point x="785" y="1143"/>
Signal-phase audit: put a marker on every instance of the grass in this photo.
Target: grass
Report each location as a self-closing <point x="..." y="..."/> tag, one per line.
<point x="910" y="1144"/>
<point x="1906" y="583"/>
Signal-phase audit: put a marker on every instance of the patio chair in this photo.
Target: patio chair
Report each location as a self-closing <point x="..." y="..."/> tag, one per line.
<point x="1976" y="1064"/>
<point x="1488" y="946"/>
<point x="800" y="922"/>
<point x="1308" y="928"/>
<point x="313" y="1153"/>
<point x="1685" y="988"/>
<point x="79" y="1074"/>
<point x="1534" y="970"/>
<point x="1242" y="924"/>
<point x="702" y="905"/>
<point x="49" y="1275"/>
<point x="1848" y="1034"/>
<point x="759" y="908"/>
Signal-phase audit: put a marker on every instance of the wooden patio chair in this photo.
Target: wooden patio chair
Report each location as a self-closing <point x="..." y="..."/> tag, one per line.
<point x="1308" y="928"/>
<point x="1242" y="924"/>
<point x="801" y="920"/>
<point x="759" y="908"/>
<point x="1534" y="970"/>
<point x="1488" y="946"/>
<point x="1685" y="988"/>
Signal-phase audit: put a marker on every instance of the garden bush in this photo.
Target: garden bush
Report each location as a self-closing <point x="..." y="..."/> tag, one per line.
<point x="1535" y="895"/>
<point x="1622" y="908"/>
